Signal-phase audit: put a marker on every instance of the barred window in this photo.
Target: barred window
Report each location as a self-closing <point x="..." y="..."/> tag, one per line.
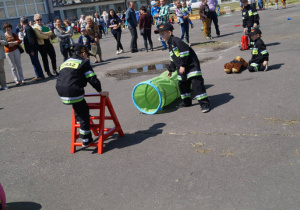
<point x="19" y="8"/>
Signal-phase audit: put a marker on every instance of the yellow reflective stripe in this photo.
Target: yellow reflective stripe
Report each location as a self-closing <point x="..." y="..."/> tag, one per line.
<point x="201" y="96"/>
<point x="250" y="12"/>
<point x="176" y="52"/>
<point x="186" y="95"/>
<point x="69" y="64"/>
<point x="254" y="51"/>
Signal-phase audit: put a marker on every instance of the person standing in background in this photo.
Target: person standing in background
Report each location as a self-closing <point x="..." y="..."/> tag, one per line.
<point x="45" y="46"/>
<point x="132" y="24"/>
<point x="212" y="4"/>
<point x="163" y="18"/>
<point x="31" y="48"/>
<point x="3" y="42"/>
<point x="13" y="54"/>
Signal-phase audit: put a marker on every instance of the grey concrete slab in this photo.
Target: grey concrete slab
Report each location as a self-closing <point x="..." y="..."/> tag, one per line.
<point x="243" y="154"/>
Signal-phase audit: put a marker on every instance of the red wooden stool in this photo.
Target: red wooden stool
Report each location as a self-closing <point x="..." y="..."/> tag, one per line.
<point x="97" y="129"/>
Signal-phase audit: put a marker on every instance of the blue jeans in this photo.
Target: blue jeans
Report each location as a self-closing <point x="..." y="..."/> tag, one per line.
<point x="185" y="30"/>
<point x="164" y="45"/>
<point x="36" y="65"/>
<point x="260" y="5"/>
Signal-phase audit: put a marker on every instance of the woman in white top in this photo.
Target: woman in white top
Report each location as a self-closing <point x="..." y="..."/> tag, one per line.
<point x="82" y="21"/>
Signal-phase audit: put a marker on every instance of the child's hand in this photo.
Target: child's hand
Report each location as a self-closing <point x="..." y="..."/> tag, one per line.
<point x="245" y="30"/>
<point x="181" y="69"/>
<point x="265" y="63"/>
<point x="254" y="25"/>
<point x="169" y="74"/>
<point x="104" y="93"/>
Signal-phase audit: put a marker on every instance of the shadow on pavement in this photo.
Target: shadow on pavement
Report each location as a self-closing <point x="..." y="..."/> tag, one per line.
<point x="222" y="35"/>
<point x="273" y="44"/>
<point x="23" y="206"/>
<point x="29" y="82"/>
<point x="275" y="66"/>
<point x="133" y="138"/>
<point x="218" y="100"/>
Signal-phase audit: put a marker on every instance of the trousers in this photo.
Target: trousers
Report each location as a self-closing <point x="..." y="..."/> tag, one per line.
<point x="198" y="88"/>
<point x="147" y="36"/>
<point x="45" y="50"/>
<point x="14" y="60"/>
<point x="2" y="73"/>
<point x="206" y="27"/>
<point x="134" y="37"/>
<point x="82" y="115"/>
<point x="214" y="18"/>
<point x="185" y="30"/>
<point x="36" y="65"/>
<point x="118" y="39"/>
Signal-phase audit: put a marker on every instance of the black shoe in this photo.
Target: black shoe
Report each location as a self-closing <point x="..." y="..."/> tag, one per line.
<point x="86" y="144"/>
<point x="133" y="51"/>
<point x="185" y="104"/>
<point x="164" y="49"/>
<point x="49" y="74"/>
<point x="55" y="72"/>
<point x="205" y="107"/>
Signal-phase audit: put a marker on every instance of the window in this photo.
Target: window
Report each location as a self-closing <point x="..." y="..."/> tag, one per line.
<point x="19" y="8"/>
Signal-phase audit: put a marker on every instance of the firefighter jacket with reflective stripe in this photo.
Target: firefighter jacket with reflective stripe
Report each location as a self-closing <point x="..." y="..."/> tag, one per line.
<point x="259" y="52"/>
<point x="250" y="16"/>
<point x="181" y="54"/>
<point x="74" y="74"/>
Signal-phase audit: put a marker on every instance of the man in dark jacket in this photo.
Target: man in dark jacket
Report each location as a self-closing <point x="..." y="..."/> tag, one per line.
<point x="132" y="24"/>
<point x="31" y="48"/>
<point x="185" y="61"/>
<point x="74" y="74"/>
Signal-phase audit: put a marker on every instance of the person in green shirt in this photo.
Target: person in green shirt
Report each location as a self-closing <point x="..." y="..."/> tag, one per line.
<point x="163" y="18"/>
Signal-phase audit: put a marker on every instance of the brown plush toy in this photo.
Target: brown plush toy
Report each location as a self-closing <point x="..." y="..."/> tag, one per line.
<point x="235" y="66"/>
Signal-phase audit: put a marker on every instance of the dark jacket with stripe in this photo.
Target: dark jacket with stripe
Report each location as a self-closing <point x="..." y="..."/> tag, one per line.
<point x="181" y="54"/>
<point x="250" y="16"/>
<point x="259" y="52"/>
<point x="74" y="74"/>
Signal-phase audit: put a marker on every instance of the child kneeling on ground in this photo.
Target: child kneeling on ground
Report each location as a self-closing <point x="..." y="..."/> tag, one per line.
<point x="185" y="61"/>
<point x="74" y="74"/>
<point x="260" y="55"/>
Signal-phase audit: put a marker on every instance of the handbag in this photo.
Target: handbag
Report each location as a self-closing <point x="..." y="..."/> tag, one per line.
<point x="20" y="48"/>
<point x="142" y="31"/>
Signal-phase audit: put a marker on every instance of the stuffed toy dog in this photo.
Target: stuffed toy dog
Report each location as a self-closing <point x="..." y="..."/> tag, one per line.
<point x="235" y="66"/>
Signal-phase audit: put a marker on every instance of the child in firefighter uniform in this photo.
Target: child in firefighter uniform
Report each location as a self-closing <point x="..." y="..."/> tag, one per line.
<point x="74" y="74"/>
<point x="250" y="18"/>
<point x="185" y="61"/>
<point x="260" y="54"/>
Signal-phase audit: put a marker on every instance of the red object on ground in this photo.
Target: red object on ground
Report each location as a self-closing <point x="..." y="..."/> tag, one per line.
<point x="2" y="198"/>
<point x="244" y="42"/>
<point x="97" y="129"/>
<point x="237" y="25"/>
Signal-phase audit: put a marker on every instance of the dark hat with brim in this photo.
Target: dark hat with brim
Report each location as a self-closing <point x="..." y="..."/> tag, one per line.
<point x="255" y="31"/>
<point x="164" y="27"/>
<point x="80" y="48"/>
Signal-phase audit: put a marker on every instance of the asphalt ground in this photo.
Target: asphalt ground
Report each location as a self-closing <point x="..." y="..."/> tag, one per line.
<point x="243" y="154"/>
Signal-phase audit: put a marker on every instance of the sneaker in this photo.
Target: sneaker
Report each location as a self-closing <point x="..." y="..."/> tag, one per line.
<point x="121" y="51"/>
<point x="37" y="78"/>
<point x="207" y="37"/>
<point x="87" y="143"/>
<point x="118" y="52"/>
<point x="49" y="74"/>
<point x="205" y="107"/>
<point x="266" y="68"/>
<point x="55" y="72"/>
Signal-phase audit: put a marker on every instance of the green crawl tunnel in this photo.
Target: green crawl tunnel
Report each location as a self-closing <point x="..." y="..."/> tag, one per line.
<point x="152" y="95"/>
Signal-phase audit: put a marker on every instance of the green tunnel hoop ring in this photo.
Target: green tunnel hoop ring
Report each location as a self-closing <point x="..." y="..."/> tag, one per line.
<point x="159" y="108"/>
